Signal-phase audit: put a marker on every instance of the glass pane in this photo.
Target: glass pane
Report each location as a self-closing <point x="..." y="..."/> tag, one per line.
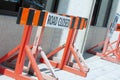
<point x="37" y="4"/>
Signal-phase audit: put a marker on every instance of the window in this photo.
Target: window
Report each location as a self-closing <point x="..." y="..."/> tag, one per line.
<point x="37" y="4"/>
<point x="55" y="5"/>
<point x="11" y="7"/>
<point x="101" y="13"/>
<point x="95" y="12"/>
<point x="107" y="14"/>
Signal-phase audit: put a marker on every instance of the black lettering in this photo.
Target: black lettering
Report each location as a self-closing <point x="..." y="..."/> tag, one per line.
<point x="63" y="22"/>
<point x="59" y="22"/>
<point x="49" y="19"/>
<point x="52" y="20"/>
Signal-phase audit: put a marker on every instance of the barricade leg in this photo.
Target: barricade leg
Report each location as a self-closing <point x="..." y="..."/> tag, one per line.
<point x="81" y="69"/>
<point x="41" y="76"/>
<point x="36" y="49"/>
<point x="9" y="54"/>
<point x="21" y="56"/>
<point x="17" y="74"/>
<point x="111" y="54"/>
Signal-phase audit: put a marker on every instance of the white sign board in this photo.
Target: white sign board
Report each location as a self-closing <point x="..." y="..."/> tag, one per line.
<point x="57" y="21"/>
<point x="113" y="25"/>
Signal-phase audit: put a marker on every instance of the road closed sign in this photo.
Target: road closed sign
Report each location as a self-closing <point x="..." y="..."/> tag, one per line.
<point x="113" y="26"/>
<point x="28" y="16"/>
<point x="57" y="21"/>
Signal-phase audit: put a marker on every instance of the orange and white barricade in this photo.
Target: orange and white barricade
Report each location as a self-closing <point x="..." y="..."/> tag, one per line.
<point x="32" y="17"/>
<point x="111" y="50"/>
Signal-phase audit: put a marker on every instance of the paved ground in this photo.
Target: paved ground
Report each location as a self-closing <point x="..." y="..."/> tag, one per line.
<point x="99" y="70"/>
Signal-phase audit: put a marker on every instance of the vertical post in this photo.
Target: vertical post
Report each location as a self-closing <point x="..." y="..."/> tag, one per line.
<point x="106" y="45"/>
<point x="33" y="63"/>
<point x="21" y="55"/>
<point x="37" y="42"/>
<point x="66" y="54"/>
<point x="117" y="48"/>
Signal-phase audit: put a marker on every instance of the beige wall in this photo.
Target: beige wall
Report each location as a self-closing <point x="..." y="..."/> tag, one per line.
<point x="11" y="33"/>
<point x="96" y="35"/>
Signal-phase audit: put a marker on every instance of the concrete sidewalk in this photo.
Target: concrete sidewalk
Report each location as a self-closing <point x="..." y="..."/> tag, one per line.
<point x="99" y="70"/>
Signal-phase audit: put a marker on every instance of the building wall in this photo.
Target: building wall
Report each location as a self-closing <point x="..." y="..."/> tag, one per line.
<point x="98" y="33"/>
<point x="95" y="36"/>
<point x="102" y="13"/>
<point x="75" y="8"/>
<point x="11" y="33"/>
<point x="11" y="36"/>
<point x="118" y="10"/>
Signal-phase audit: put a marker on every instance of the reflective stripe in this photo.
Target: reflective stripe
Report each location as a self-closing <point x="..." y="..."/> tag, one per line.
<point x="28" y="16"/>
<point x="73" y="22"/>
<point x="41" y="18"/>
<point x="76" y="22"/>
<point x="24" y="16"/>
<point x="45" y="18"/>
<point x="36" y="18"/>
<point x="85" y="23"/>
<point x="79" y="22"/>
<point x="82" y="23"/>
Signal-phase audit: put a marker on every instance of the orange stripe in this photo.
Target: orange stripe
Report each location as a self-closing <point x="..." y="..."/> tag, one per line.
<point x="71" y="18"/>
<point x="85" y="24"/>
<point x="36" y="18"/>
<point x="82" y="23"/>
<point x="118" y="27"/>
<point x="24" y="16"/>
<point x="76" y="23"/>
<point x="45" y="19"/>
<point x="63" y="14"/>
